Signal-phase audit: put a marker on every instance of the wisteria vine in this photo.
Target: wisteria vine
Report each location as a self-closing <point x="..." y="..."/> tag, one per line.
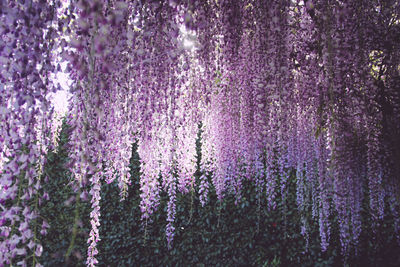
<point x="280" y="89"/>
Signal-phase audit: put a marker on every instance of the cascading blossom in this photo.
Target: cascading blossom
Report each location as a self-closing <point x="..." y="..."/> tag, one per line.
<point x="26" y="64"/>
<point x="280" y="90"/>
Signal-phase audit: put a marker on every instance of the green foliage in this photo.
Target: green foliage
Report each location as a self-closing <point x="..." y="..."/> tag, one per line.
<point x="233" y="232"/>
<point x="228" y="233"/>
<point x="60" y="212"/>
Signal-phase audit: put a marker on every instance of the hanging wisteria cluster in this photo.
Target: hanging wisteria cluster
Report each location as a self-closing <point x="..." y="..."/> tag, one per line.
<point x="281" y="89"/>
<point x="26" y="66"/>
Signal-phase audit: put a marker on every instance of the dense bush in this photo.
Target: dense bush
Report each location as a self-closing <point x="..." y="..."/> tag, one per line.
<point x="234" y="232"/>
<point x="67" y="214"/>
